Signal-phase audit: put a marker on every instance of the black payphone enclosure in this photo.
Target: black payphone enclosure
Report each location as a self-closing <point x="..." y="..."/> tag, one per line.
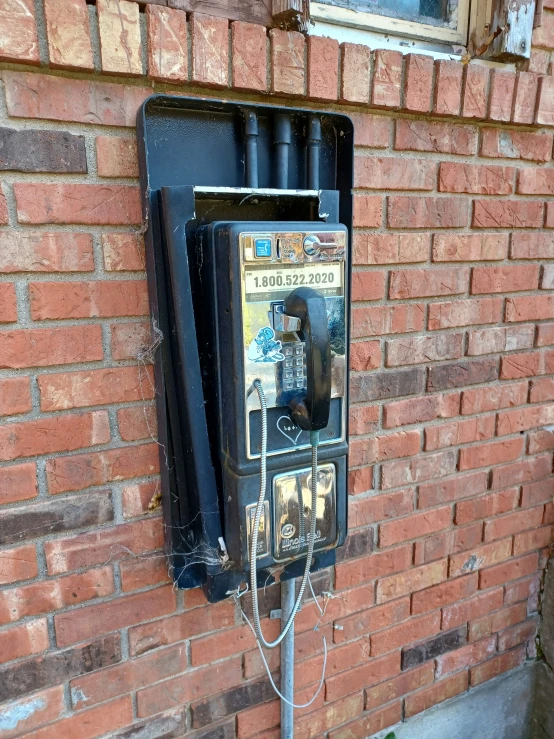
<point x="204" y="161"/>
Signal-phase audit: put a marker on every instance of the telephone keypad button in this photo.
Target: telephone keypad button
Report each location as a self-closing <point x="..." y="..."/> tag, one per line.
<point x="298" y="349"/>
<point x="288" y="362"/>
<point x="299" y="383"/>
<point x="289" y="384"/>
<point x="298" y="361"/>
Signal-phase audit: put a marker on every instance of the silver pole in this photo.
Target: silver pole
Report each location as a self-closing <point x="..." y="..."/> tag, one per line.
<point x="288" y="591"/>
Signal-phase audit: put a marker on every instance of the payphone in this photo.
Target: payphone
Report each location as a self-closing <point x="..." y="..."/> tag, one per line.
<point x="249" y="286"/>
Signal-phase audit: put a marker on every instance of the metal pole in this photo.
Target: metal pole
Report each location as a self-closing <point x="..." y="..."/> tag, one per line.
<point x="288" y="591"/>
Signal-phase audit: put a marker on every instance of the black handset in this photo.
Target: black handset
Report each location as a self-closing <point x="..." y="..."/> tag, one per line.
<point x="311" y="411"/>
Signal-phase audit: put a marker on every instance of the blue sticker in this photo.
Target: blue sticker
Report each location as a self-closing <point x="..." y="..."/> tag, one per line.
<point x="263" y="248"/>
<point x="265" y="348"/>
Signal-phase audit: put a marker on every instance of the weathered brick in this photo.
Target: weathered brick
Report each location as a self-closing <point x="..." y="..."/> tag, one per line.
<point x="412" y="211"/>
<point x="469" y="247"/>
<point x="486" y="506"/>
<point x="116" y="156"/>
<point x="355" y="60"/>
<point x="418" y="83"/>
<point x="418" y="283"/>
<point x="467" y="610"/>
<point x="367" y="213"/>
<point x="510" y="570"/>
<point x="466" y="657"/>
<point x="19" y="563"/>
<point x="470" y="178"/>
<point x="493" y="340"/>
<point x="407" y="632"/>
<point x="497" y="665"/>
<point x="416" y="578"/>
<point x="44" y="347"/>
<point x="24" y="640"/>
<point x="18" y="483"/>
<point x="81" y="101"/>
<point x="444" y="138"/>
<point x="527" y="364"/>
<point x="119" y="28"/>
<point x="32" y="712"/>
<point x="380" y="507"/>
<point x="110" y="205"/>
<point x="397" y="687"/>
<point x="167" y="44"/>
<point x="448" y="87"/>
<point x="526" y="470"/>
<point x="138" y="422"/>
<point x="535" y="539"/>
<point x="419" y="469"/>
<point x="507" y="213"/>
<point x="536" y="492"/>
<point x="68" y="34"/>
<point x="464" y="313"/>
<point x="545" y="334"/>
<point x="371" y="620"/>
<point x="123" y="252"/>
<point x="517" y="635"/>
<point x="485" y="399"/>
<point x="387" y="319"/>
<point x="15" y="396"/>
<point x="4" y="216"/>
<point x="391" y="173"/>
<point x="534" y="147"/>
<point x="32" y="150"/>
<point x="241" y="697"/>
<point x="459" y="432"/>
<point x="107" y="718"/>
<point x="373" y="722"/>
<point x="335" y="714"/>
<point x="287" y="62"/>
<point x="540" y="441"/>
<point x="8" y="304"/>
<point x="390" y="248"/>
<point x="512" y="422"/>
<point x="19" y="42"/>
<point x="354" y="572"/>
<point x="323" y="68"/>
<point x="141" y="573"/>
<point x="371" y="130"/>
<point x="448" y="376"/>
<point x="441" y="644"/>
<point x="547" y="280"/>
<point x="449" y="542"/>
<point x="415" y="526"/>
<point x="440" y="691"/>
<point x="423" y="349"/>
<point x="482" y="556"/>
<point x="539" y="62"/>
<point x="55" y="434"/>
<point x="461" y="486"/>
<point x="501" y="95"/>
<point x="128" y="339"/>
<point x="529" y="308"/>
<point x="418" y="410"/>
<point x="40" y="251"/>
<point x="495" y="452"/>
<point x="475" y="93"/>
<point x="544" y="114"/>
<point x="368" y="285"/>
<point x="99" y="298"/>
<point x="513" y="523"/>
<point x="363" y="419"/>
<point x="370" y="673"/>
<point x="55" y="667"/>
<point x="387" y="79"/>
<point x="525" y="96"/>
<point x="543" y="35"/>
<point x="524" y="589"/>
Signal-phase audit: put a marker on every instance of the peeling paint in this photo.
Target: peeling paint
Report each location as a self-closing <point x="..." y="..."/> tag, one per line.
<point x="77" y="696"/>
<point x="10" y="717"/>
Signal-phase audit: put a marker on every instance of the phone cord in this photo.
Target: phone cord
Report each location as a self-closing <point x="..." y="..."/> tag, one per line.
<point x="314" y="440"/>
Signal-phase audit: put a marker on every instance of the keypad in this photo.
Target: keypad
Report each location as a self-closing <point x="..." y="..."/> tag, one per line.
<point x="294" y="367"/>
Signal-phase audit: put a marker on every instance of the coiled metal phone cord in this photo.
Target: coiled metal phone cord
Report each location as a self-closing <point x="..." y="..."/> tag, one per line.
<point x="314" y="440"/>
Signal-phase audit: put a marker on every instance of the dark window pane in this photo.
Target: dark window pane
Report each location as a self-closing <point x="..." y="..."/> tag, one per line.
<point x="424" y="11"/>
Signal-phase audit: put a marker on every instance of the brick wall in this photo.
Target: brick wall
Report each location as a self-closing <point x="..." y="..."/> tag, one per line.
<point x="453" y="377"/>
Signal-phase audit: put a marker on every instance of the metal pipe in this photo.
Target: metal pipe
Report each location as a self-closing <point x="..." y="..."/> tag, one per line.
<point x="251" y="144"/>
<point x="288" y="591"/>
<point x="282" y="139"/>
<point x="314" y="143"/>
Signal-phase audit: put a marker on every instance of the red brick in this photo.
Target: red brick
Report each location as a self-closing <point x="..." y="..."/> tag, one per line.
<point x="119" y="30"/>
<point x="90" y="621"/>
<point x="92" y="723"/>
<point x="365" y="355"/>
<point x="24" y="640"/>
<point x="476" y="86"/>
<point x="527" y="364"/>
<point x="80" y="101"/>
<point x="207" y="649"/>
<point x="141" y="573"/>
<point x="440" y="691"/>
<point x="387" y="79"/>
<point x="487" y="506"/>
<point x="43" y="347"/>
<point x="530" y="308"/>
<point x="15" y="396"/>
<point x="547" y="281"/>
<point x="368" y="285"/>
<point x="17" y="564"/>
<point x="116" y="156"/>
<point x="501" y="95"/>
<point x="323" y="68"/>
<point x="368" y="213"/>
<point x="418" y="283"/>
<point x="128" y="339"/>
<point x="545" y="101"/>
<point x="356" y="60"/>
<point x="418" y="410"/>
<point x="411" y="211"/>
<point x="414" y="527"/>
<point x="493" y="398"/>
<point x="371" y="130"/>
<point x="450" y="542"/>
<point x="307" y="644"/>
<point x="51" y="595"/>
<point x="539" y="63"/>
<point x="535" y="147"/>
<point x="497" y="665"/>
<point x="390" y="248"/>
<point x="522" y="589"/>
<point x="363" y="419"/>
<point x="32" y="712"/>
<point x="419" y="469"/>
<point x="543" y="35"/>
<point x="167" y="44"/>
<point x="368" y="568"/>
<point x="541" y="389"/>
<point x="548" y="519"/>
<point x="507" y="213"/>
<point x="485" y="455"/>
<point x="492" y="340"/>
<point x="465" y="657"/>
<point x="371" y="620"/>
<point x="110" y="205"/>
<point x="417" y="578"/>
<point x="461" y="486"/>
<point x="209" y="36"/>
<point x="479" y="557"/>
<point x="512" y="422"/>
<point x="535" y="182"/>
<point x="479" y="605"/>
<point x="471" y="178"/>
<point x="408" y="632"/>
<point x="56" y="434"/>
<point x="370" y="723"/>
<point x="532" y="246"/>
<point x="39" y="251"/>
<point x="407" y="682"/>
<point x="510" y="570"/>
<point x="519" y="634"/>
<point x="128" y="676"/>
<point x="459" y="432"/>
<point x="469" y="247"/>
<point x="523" y="471"/>
<point x="387" y="319"/>
<point x="380" y="507"/>
<point x="402" y="444"/>
<point x="423" y="349"/>
<point x="389" y="173"/>
<point x="549" y="220"/>
<point x="138" y="422"/>
<point x="444" y="138"/>
<point x="418" y="83"/>
<point x="68" y="34"/>
<point x="531" y="540"/>
<point x="8" y="304"/>
<point x="191" y="686"/>
<point x="545" y="334"/>
<point x="123" y="252"/>
<point x="448" y="87"/>
<point x="4" y="217"/>
<point x="287" y="62"/>
<point x="101" y="298"/>
<point x="525" y="96"/>
<point x="370" y="673"/>
<point x="329" y="715"/>
<point x="535" y="493"/>
<point x="19" y="42"/>
<point x="103" y="545"/>
<point x="464" y="313"/>
<point x="18" y="483"/>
